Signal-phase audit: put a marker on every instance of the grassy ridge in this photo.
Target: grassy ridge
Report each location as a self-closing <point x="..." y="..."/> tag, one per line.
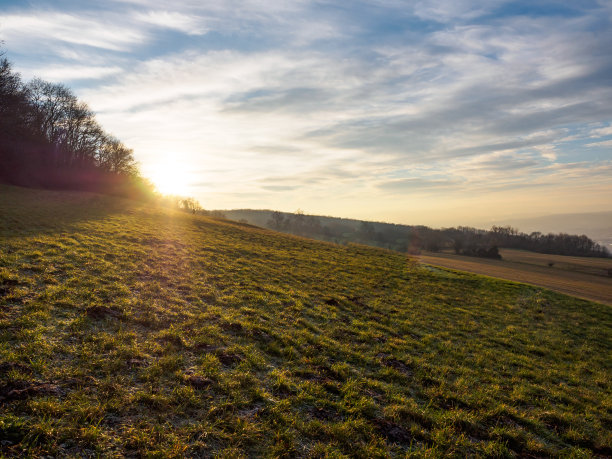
<point x="126" y="329"/>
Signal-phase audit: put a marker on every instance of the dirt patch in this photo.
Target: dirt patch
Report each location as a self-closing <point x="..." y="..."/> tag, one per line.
<point x="554" y="422"/>
<point x="329" y="373"/>
<point x="396" y="364"/>
<point x="9" y="282"/>
<point x="233" y="327"/>
<point x="229" y="359"/>
<point x="261" y="335"/>
<point x="101" y="312"/>
<point x="325" y="414"/>
<point x="451" y="403"/>
<point x="393" y="432"/>
<point x="20" y="390"/>
<point x="198" y="382"/>
<point x="171" y="339"/>
<point x="331" y="302"/>
<point x="6" y="286"/>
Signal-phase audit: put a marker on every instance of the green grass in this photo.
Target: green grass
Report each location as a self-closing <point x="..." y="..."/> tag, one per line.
<point x="127" y="329"/>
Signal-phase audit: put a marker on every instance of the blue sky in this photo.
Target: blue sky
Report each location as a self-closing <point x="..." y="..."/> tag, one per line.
<point x="426" y="112"/>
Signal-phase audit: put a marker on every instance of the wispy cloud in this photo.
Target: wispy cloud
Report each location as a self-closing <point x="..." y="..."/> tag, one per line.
<point x="173" y="20"/>
<point x="69" y="73"/>
<point x="44" y="29"/>
<point x="601" y="132"/>
<point x="453" y="10"/>
<point x="603" y="143"/>
<point x="419" y="185"/>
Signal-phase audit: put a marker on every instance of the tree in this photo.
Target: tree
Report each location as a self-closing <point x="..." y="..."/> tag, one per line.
<point x="277" y="221"/>
<point x="49" y="138"/>
<point x="189" y="205"/>
<point x="13" y="103"/>
<point x="366" y="231"/>
<point x="15" y="133"/>
<point x="113" y="156"/>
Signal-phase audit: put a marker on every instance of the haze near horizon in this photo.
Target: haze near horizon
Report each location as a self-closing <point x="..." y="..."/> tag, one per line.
<point x="438" y="112"/>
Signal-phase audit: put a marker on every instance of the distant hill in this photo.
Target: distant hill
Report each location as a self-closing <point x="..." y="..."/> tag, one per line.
<point x="130" y="330"/>
<point x="596" y="225"/>
<point x="412" y="238"/>
<point x="261" y="217"/>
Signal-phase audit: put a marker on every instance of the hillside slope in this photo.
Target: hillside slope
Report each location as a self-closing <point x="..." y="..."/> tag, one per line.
<point x="131" y="330"/>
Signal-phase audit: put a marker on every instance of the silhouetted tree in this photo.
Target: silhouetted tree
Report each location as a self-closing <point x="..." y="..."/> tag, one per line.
<point x="49" y="138"/>
<point x="190" y="205"/>
<point x="113" y="156"/>
<point x="277" y="221"/>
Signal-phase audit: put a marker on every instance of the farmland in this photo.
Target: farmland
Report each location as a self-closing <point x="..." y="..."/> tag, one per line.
<point x="128" y="329"/>
<point x="584" y="277"/>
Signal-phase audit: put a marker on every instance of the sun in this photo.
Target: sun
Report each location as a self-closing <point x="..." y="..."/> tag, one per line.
<point x="169" y="179"/>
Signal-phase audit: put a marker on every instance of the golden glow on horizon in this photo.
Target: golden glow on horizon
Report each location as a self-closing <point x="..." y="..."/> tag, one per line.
<point x="168" y="178"/>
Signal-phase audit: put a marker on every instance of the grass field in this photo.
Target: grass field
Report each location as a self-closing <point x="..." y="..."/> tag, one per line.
<point x="131" y="330"/>
<point x="579" y="276"/>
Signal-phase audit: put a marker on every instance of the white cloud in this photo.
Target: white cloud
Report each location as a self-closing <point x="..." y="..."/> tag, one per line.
<point x="449" y="10"/>
<point x="38" y="29"/>
<point x="189" y="24"/>
<point x="605" y="143"/>
<point x="68" y="73"/>
<point x="547" y="151"/>
<point x="601" y="132"/>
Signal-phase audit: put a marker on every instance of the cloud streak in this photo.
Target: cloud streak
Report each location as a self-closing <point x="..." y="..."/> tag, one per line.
<point x="32" y="30"/>
<point x="173" y="20"/>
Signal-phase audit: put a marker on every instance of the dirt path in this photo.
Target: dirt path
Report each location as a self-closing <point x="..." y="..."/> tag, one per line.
<point x="590" y="287"/>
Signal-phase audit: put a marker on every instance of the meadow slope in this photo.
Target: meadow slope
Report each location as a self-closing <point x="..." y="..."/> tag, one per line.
<point x="127" y="329"/>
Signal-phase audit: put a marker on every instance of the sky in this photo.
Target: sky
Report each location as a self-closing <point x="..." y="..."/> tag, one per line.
<point x="441" y="112"/>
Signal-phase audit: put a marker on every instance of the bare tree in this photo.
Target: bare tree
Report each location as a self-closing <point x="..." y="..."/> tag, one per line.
<point x="113" y="156"/>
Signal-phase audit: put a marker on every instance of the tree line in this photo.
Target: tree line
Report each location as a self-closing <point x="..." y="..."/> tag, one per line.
<point x="412" y="239"/>
<point x="51" y="139"/>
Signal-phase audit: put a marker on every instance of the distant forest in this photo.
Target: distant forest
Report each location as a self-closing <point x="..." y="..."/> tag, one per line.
<point x="50" y="139"/>
<point x="412" y="239"/>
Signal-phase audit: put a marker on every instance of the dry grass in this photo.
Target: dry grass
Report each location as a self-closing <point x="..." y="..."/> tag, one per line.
<point x="578" y="276"/>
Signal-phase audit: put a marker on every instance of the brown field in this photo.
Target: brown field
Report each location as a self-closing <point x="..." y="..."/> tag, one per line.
<point x="577" y="276"/>
<point x="587" y="265"/>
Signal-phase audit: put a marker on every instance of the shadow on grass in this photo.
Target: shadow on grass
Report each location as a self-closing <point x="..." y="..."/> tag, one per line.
<point x="51" y="211"/>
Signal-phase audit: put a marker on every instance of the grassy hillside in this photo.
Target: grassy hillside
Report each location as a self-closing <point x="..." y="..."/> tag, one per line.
<point x="131" y="330"/>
